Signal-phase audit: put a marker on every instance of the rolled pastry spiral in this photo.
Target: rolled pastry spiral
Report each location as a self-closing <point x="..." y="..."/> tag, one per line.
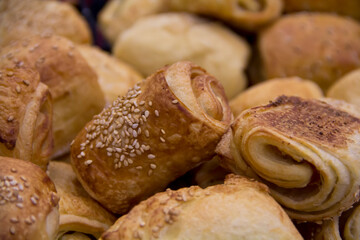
<point x="306" y="151"/>
<point x="164" y="126"/>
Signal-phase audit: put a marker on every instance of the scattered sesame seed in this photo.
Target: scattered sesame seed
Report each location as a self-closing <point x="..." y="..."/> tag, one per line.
<point x="150" y="103"/>
<point x="152" y="166"/>
<point x="162" y="131"/>
<point x="162" y="139"/>
<point x="88" y="162"/>
<point x="139" y="167"/>
<point x="20" y="205"/>
<point x="14" y="220"/>
<point x="150" y="172"/>
<point x="10" y="74"/>
<point x="151" y="156"/>
<point x="156" y="113"/>
<point x="175" y="101"/>
<point x="23" y="178"/>
<point x="146" y="113"/>
<point x="10" y="118"/>
<point x="12" y="230"/>
<point x="13" y="170"/>
<point x="33" y="200"/>
<point x="18" y="89"/>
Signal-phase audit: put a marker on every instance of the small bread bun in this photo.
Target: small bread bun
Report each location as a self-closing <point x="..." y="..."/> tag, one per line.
<point x="28" y="202"/>
<point x="73" y="85"/>
<point x="20" y="18"/>
<point x="25" y="116"/>
<point x="114" y="76"/>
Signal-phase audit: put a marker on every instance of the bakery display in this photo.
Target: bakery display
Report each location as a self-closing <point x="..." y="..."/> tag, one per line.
<point x="155" y="41"/>
<point x="162" y="128"/>
<point x="78" y="211"/>
<point x="304" y="150"/>
<point x="20" y="18"/>
<point x="334" y="53"/>
<point x="269" y="90"/>
<point x="238" y="209"/>
<point x="70" y="79"/>
<point x="114" y="76"/>
<point x="28" y="201"/>
<point x="25" y="116"/>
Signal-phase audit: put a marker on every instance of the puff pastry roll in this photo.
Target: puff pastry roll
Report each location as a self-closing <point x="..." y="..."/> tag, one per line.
<point x="25" y="116"/>
<point x="205" y="43"/>
<point x="78" y="211"/>
<point x="114" y="76"/>
<point x="28" y="202"/>
<point x="162" y="128"/>
<point x="334" y="53"/>
<point x="20" y="18"/>
<point x="238" y="209"/>
<point x="264" y="92"/>
<point x="347" y="88"/>
<point x="305" y="150"/>
<point x="73" y="85"/>
<point x="245" y="14"/>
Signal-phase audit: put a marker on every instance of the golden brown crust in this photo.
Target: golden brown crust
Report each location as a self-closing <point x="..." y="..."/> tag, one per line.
<point x="34" y="17"/>
<point x="74" y="236"/>
<point x="264" y="92"/>
<point x="78" y="211"/>
<point x="28" y="201"/>
<point x="238" y="209"/>
<point x="305" y="150"/>
<point x="156" y="133"/>
<point x="70" y="80"/>
<point x="26" y="116"/>
<point x="324" y="60"/>
<point x="114" y="76"/>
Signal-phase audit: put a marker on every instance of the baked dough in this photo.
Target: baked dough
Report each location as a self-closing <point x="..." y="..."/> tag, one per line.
<point x="306" y="151"/>
<point x="154" y="41"/>
<point x="25" y="116"/>
<point x="78" y="211"/>
<point x="264" y="92"/>
<point x="316" y="46"/>
<point x="163" y="127"/>
<point x="238" y="209"/>
<point x="74" y="236"/>
<point x="19" y="18"/>
<point x="73" y="85"/>
<point x="28" y="202"/>
<point x="114" y="76"/>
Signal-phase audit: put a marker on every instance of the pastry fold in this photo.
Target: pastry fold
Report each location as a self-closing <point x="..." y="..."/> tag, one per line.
<point x="25" y="116"/>
<point x="78" y="211"/>
<point x="306" y="151"/>
<point x="238" y="209"/>
<point x="163" y="127"/>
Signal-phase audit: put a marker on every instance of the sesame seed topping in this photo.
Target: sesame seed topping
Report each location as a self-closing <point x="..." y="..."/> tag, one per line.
<point x="10" y="118"/>
<point x="88" y="162"/>
<point x="10" y="74"/>
<point x="33" y="219"/>
<point x="23" y="178"/>
<point x="150" y="172"/>
<point x="18" y="89"/>
<point x="14" y="220"/>
<point x="175" y="101"/>
<point x="152" y="166"/>
<point x="151" y="156"/>
<point x="162" y="131"/>
<point x="12" y="230"/>
<point x="33" y="200"/>
<point x="142" y="224"/>
<point x="146" y="113"/>
<point x="20" y="205"/>
<point x="162" y="139"/>
<point x="139" y="167"/>
<point x="150" y="103"/>
<point x="26" y="82"/>
<point x="156" y="113"/>
<point x="82" y="154"/>
<point x="13" y="170"/>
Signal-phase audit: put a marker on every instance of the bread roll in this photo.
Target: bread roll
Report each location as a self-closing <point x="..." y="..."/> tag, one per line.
<point x="155" y="41"/>
<point x="73" y="85"/>
<point x="264" y="92"/>
<point x="347" y="88"/>
<point x="114" y="76"/>
<point x="28" y="202"/>
<point x="164" y="126"/>
<point x="245" y="14"/>
<point x="118" y="15"/>
<point x="238" y="209"/>
<point x="316" y="46"/>
<point x="78" y="211"/>
<point x="25" y="116"/>
<point x="20" y="19"/>
<point x="305" y="150"/>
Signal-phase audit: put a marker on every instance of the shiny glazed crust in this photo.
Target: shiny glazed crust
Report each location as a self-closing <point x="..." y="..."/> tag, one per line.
<point x="72" y="83"/>
<point x="238" y="209"/>
<point x="305" y="150"/>
<point x="26" y="18"/>
<point x="25" y="116"/>
<point x="78" y="211"/>
<point x="28" y="202"/>
<point x="164" y="126"/>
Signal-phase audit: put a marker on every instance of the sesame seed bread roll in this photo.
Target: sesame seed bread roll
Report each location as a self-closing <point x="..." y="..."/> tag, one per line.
<point x="162" y="128"/>
<point x="115" y="77"/>
<point x="78" y="211"/>
<point x="238" y="209"/>
<point x="205" y="43"/>
<point x="28" y="202"/>
<point x="347" y="88"/>
<point x="250" y="15"/>
<point x="317" y="46"/>
<point x="264" y="92"/>
<point x="20" y="18"/>
<point x="25" y="116"/>
<point x="306" y="151"/>
<point x="73" y="85"/>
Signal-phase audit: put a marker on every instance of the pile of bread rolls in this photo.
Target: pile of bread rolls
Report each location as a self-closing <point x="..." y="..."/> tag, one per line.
<point x="207" y="120"/>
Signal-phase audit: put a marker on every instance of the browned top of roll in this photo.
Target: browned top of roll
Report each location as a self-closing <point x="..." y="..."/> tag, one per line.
<point x="28" y="201"/>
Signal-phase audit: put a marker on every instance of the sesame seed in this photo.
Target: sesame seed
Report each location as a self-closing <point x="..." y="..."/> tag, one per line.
<point x="139" y="167"/>
<point x="28" y="221"/>
<point x="156" y="113"/>
<point x="142" y="224"/>
<point x="162" y="131"/>
<point x="151" y="156"/>
<point x="82" y="154"/>
<point x="33" y="219"/>
<point x="20" y="205"/>
<point x="88" y="162"/>
<point x="26" y="82"/>
<point x="147" y="133"/>
<point x="152" y="166"/>
<point x="141" y="103"/>
<point x="150" y="172"/>
<point x="175" y="101"/>
<point x="10" y="118"/>
<point x="33" y="200"/>
<point x="150" y="103"/>
<point x="23" y="178"/>
<point x="146" y="113"/>
<point x="135" y="134"/>
<point x="13" y="170"/>
<point x="12" y="230"/>
<point x="14" y="220"/>
<point x="10" y="73"/>
<point x="18" y="89"/>
<point x="162" y="139"/>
